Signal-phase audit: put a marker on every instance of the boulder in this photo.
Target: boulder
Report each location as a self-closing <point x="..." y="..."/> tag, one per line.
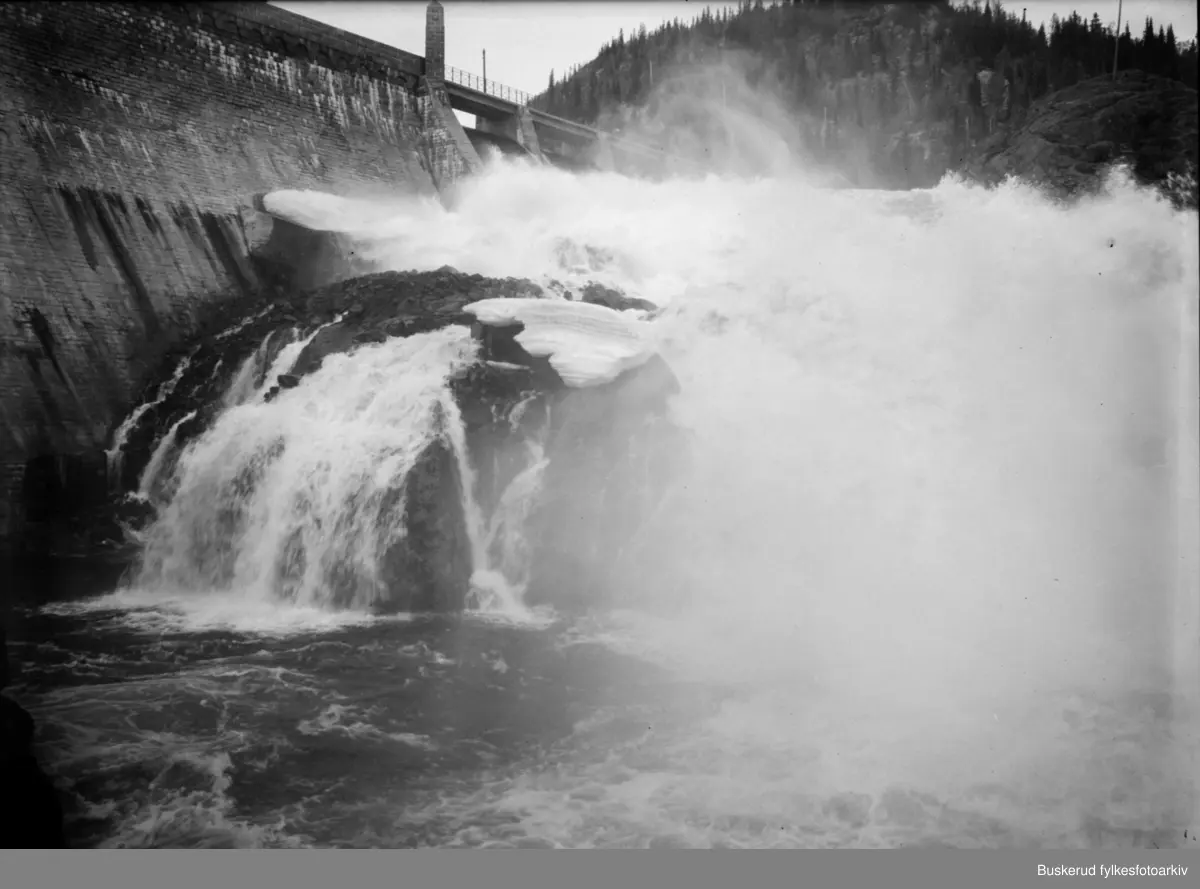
<point x="599" y="295"/>
<point x="429" y="569"/>
<point x="31" y="814"/>
<point x="1066" y="140"/>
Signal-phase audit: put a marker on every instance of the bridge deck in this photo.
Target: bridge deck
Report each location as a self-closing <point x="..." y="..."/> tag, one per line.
<point x="473" y="101"/>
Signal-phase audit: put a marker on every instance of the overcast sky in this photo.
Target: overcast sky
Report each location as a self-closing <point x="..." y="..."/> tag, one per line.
<point x="525" y="40"/>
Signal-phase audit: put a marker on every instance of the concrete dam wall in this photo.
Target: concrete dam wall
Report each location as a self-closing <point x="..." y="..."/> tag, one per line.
<point x="136" y="139"/>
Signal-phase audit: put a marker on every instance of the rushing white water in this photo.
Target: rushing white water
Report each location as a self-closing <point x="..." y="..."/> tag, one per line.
<point x="490" y="590"/>
<point x="116" y="452"/>
<point x="250" y="375"/>
<point x="279" y="496"/>
<point x="288" y="355"/>
<point x="150" y="475"/>
<point x="291" y="497"/>
<point x="940" y="508"/>
<point x="241" y="325"/>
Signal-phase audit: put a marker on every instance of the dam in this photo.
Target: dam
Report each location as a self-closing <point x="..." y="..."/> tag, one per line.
<point x="137" y="138"/>
<point x="531" y="509"/>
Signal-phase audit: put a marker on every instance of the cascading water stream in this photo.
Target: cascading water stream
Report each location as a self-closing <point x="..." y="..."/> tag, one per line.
<point x="297" y="497"/>
<point x="249" y="375"/>
<point x="288" y="355"/>
<point x="150" y="475"/>
<point x="506" y="544"/>
<point x="115" y="454"/>
<point x="499" y="573"/>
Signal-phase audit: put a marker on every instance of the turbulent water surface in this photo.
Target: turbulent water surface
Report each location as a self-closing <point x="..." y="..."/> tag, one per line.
<point x="936" y="541"/>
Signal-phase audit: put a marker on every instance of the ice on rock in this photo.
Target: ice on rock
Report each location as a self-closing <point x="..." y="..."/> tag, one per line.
<point x="587" y="345"/>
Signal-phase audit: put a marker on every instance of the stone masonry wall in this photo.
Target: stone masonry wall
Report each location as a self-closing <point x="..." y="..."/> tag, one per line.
<point x="134" y="139"/>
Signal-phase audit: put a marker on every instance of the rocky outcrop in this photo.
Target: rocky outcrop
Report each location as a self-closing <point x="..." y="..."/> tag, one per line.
<point x="1067" y="140"/>
<point x="31" y="815"/>
<point x="608" y="448"/>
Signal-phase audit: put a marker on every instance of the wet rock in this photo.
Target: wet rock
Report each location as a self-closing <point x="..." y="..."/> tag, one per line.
<point x="398" y="328"/>
<point x="370" y="336"/>
<point x="331" y="340"/>
<point x="1066" y="139"/>
<point x="429" y="568"/>
<point x="599" y="295"/>
<point x="500" y="344"/>
<point x="288" y="381"/>
<point x="31" y="814"/>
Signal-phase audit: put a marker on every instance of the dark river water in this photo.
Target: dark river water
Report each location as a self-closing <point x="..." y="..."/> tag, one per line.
<point x="389" y="733"/>
<point x="937" y="535"/>
<point x="471" y="731"/>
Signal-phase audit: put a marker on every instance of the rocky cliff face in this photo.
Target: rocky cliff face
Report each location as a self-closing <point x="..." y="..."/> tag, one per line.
<point x="1066" y="140"/>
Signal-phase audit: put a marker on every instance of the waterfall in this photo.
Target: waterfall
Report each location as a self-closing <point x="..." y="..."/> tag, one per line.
<point x="154" y="468"/>
<point x="300" y="497"/>
<point x="245" y="381"/>
<point x="288" y="355"/>
<point x="493" y="588"/>
<point x="116" y="454"/>
<point x="241" y="325"/>
<point x="254" y="378"/>
<point x="506" y="544"/>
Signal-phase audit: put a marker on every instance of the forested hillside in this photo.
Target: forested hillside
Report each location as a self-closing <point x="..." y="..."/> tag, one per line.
<point x="887" y="94"/>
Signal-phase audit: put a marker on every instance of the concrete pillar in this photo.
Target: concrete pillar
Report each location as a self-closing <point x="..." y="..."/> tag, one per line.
<point x="435" y="42"/>
<point x="527" y="135"/>
<point x="602" y="154"/>
<point x="517" y="127"/>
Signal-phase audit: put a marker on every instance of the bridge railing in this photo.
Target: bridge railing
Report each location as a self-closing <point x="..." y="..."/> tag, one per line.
<point x="518" y="97"/>
<point x="489" y="87"/>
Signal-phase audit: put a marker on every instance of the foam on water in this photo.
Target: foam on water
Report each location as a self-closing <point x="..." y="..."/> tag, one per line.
<point x="940" y="502"/>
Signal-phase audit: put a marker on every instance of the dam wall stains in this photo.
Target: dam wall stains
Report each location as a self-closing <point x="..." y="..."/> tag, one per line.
<point x="135" y="139"/>
<point x="450" y="153"/>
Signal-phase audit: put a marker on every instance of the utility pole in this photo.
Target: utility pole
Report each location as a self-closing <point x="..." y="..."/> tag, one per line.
<point x="1117" y="46"/>
<point x="724" y="101"/>
<point x="485" y="70"/>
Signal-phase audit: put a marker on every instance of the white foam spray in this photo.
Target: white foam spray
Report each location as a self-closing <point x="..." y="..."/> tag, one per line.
<point x="295" y="497"/>
<point x="934" y="528"/>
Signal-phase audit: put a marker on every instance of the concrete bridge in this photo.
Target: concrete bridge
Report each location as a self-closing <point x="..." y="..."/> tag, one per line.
<point x="505" y="119"/>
